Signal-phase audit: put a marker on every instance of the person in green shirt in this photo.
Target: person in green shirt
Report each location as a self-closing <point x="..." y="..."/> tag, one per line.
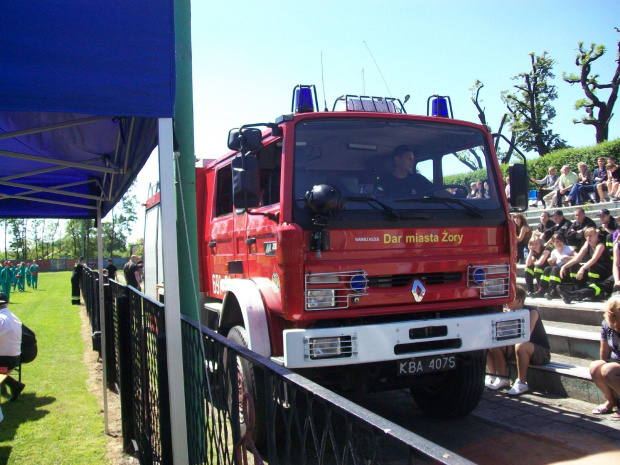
<point x="565" y="184"/>
<point x="21" y="283"/>
<point x="34" y="274"/>
<point x="6" y="278"/>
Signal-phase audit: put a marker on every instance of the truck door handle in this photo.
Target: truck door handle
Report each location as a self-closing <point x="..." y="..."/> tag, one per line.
<point x="212" y="244"/>
<point x="250" y="241"/>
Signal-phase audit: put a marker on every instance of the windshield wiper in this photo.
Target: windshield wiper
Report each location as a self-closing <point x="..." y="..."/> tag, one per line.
<point x="446" y="200"/>
<point x="373" y="203"/>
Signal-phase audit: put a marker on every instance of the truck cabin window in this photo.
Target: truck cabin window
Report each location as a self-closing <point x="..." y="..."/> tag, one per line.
<point x="407" y="165"/>
<point x="224" y="191"/>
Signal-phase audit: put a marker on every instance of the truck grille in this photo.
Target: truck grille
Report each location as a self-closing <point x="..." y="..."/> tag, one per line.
<point x="398" y="280"/>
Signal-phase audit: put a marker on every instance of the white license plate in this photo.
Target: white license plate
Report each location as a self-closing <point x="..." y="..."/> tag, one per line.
<point x="419" y="365"/>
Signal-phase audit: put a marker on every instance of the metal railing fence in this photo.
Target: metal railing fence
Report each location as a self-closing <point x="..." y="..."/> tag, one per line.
<point x="303" y="423"/>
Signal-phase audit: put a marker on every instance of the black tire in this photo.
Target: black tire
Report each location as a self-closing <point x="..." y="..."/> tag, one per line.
<point x="459" y="392"/>
<point x="249" y="380"/>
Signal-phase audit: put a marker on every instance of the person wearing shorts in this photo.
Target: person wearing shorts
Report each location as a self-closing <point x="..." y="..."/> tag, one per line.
<point x="534" y="352"/>
<point x="606" y="371"/>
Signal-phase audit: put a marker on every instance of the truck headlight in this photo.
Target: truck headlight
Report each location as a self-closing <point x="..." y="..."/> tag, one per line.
<point x="508" y="329"/>
<point x="330" y="347"/>
<point x="322" y="298"/>
<point x="493" y="287"/>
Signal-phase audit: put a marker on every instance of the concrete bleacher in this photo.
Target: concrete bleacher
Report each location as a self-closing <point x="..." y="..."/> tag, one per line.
<point x="573" y="329"/>
<point x="574" y="336"/>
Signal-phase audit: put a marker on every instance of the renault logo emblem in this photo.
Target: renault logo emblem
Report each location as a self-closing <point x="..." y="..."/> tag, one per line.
<point x="418" y="290"/>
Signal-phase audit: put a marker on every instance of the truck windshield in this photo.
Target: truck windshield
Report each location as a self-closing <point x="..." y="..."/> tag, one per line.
<point x="404" y="165"/>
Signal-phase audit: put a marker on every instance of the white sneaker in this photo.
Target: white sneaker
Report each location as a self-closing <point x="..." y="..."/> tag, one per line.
<point x="488" y="380"/>
<point x="499" y="383"/>
<point x="518" y="388"/>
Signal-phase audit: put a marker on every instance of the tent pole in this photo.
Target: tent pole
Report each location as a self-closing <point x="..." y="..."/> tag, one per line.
<point x="174" y="346"/>
<point x="104" y="358"/>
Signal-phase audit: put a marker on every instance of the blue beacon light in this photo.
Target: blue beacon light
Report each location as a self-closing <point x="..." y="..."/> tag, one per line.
<point x="303" y="101"/>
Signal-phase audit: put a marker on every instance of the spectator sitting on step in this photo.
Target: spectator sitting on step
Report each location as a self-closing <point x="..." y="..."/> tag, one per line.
<point x="565" y="183"/>
<point x="612" y="183"/>
<point x="584" y="178"/>
<point x="590" y="266"/>
<point x="473" y="191"/>
<point x="507" y="188"/>
<point x="560" y="254"/>
<point x="599" y="177"/>
<point x="535" y="263"/>
<point x="561" y="226"/>
<point x="548" y="183"/>
<point x="481" y="193"/>
<point x="606" y="371"/>
<point x="601" y="289"/>
<point x="546" y="226"/>
<point x="534" y="352"/>
<point x="524" y="232"/>
<point x="574" y="235"/>
<point x="607" y="229"/>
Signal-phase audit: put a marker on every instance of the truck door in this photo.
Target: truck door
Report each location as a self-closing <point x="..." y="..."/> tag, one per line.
<point x="261" y="230"/>
<point x="221" y="240"/>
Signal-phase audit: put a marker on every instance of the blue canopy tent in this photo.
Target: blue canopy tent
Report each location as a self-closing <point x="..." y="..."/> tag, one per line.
<point x="87" y="91"/>
<point x="81" y="87"/>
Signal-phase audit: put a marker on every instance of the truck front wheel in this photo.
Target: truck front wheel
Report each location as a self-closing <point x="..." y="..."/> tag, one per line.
<point x="460" y="391"/>
<point x="250" y="380"/>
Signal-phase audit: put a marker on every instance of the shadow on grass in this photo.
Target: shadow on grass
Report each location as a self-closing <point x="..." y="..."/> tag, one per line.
<point x="27" y="408"/>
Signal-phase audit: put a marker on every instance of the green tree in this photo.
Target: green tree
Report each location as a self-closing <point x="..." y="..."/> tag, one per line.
<point x="589" y="83"/>
<point x="123" y="217"/>
<point x="530" y="107"/>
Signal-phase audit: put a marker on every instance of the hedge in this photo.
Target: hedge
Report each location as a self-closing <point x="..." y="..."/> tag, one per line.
<point x="539" y="166"/>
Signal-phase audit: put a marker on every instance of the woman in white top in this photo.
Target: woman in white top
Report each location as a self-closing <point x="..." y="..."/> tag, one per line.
<point x="560" y="255"/>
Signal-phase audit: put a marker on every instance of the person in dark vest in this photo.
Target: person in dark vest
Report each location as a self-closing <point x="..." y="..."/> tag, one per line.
<point x="598" y="289"/>
<point x="111" y="269"/>
<point x="132" y="273"/>
<point x="76" y="281"/>
<point x="10" y="344"/>
<point x="575" y="233"/>
<point x="591" y="265"/>
<point x="537" y="261"/>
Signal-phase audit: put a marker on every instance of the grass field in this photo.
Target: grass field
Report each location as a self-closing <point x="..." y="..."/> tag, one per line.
<point x="55" y="420"/>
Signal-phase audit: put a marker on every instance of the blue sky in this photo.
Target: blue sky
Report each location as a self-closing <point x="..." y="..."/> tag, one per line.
<point x="248" y="55"/>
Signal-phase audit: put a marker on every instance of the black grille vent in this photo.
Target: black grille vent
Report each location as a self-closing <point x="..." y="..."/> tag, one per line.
<point x="398" y="280"/>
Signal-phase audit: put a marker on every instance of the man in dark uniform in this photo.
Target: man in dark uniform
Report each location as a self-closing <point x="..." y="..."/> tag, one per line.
<point x="111" y="269"/>
<point x="132" y="272"/>
<point x="76" y="281"/>
<point x="561" y="224"/>
<point x="403" y="182"/>
<point x="546" y="226"/>
<point x="574" y="235"/>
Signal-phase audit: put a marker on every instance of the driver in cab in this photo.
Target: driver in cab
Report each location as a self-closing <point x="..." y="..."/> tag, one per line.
<point x="403" y="182"/>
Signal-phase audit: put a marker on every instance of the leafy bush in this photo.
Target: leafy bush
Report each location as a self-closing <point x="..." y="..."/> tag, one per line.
<point x="540" y="166"/>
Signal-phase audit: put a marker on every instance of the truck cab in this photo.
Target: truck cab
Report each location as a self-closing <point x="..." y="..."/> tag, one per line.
<point x="327" y="260"/>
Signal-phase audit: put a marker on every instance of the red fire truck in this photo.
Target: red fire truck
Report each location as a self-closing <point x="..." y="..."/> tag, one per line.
<point x="314" y="254"/>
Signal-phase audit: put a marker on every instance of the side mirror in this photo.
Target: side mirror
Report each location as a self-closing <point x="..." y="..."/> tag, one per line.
<point x="519" y="187"/>
<point x="246" y="182"/>
<point x="245" y="139"/>
<point x="234" y="140"/>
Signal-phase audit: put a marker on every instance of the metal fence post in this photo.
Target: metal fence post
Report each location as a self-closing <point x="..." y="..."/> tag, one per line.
<point x="125" y="371"/>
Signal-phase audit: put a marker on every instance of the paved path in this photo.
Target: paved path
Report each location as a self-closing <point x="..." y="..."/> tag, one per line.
<point x="563" y="420"/>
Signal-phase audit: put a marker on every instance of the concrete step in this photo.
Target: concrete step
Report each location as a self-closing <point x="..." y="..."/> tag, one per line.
<point x="563" y="376"/>
<point x="580" y="341"/>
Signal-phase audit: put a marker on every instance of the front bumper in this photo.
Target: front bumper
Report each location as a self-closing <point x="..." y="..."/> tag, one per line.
<point x="401" y="340"/>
